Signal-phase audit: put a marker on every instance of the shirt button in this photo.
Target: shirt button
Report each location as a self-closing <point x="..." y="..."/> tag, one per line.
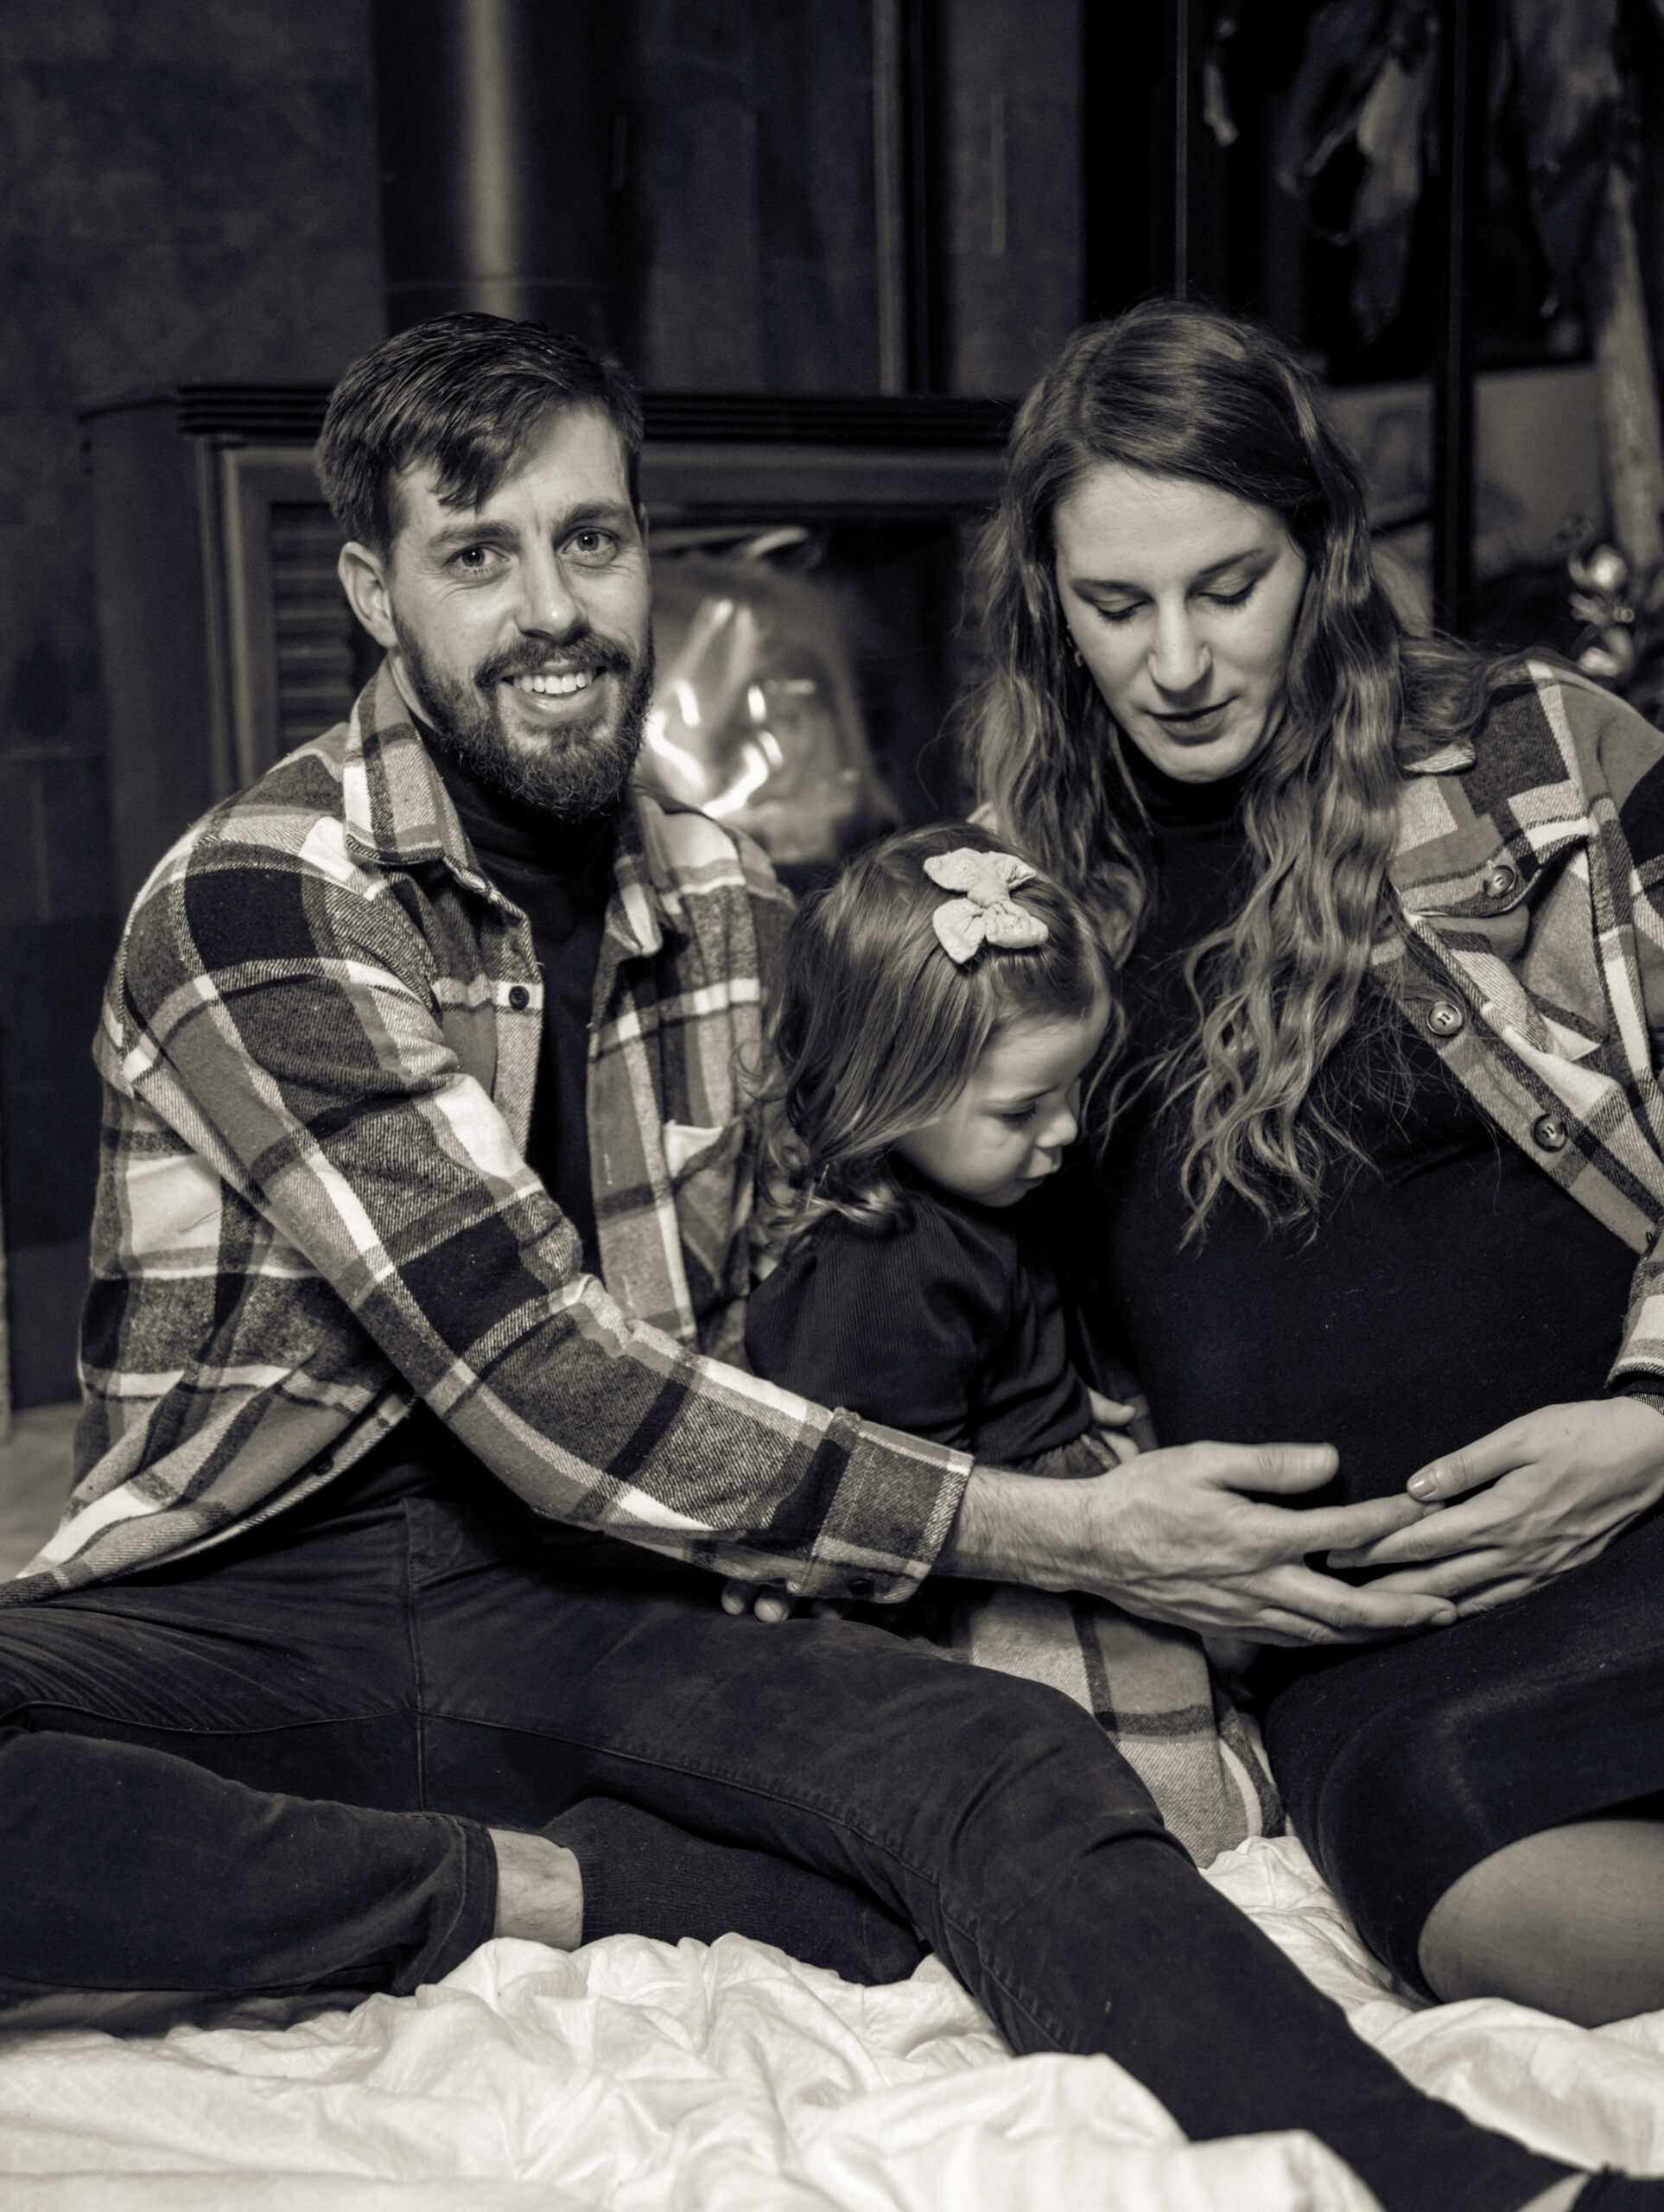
<point x="1501" y="880"/>
<point x="1549" y="1130"/>
<point x="519" y="997"/>
<point x="1444" y="1018"/>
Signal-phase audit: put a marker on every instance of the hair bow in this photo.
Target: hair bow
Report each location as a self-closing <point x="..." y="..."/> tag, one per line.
<point x="987" y="914"/>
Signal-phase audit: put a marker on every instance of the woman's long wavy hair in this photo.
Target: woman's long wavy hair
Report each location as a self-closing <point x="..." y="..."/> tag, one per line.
<point x="877" y="1030"/>
<point x="1179" y="390"/>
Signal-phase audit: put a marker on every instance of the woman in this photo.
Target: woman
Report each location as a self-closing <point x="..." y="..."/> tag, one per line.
<point x="1389" y="1150"/>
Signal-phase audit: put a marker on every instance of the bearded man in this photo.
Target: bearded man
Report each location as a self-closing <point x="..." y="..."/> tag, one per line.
<point x="386" y="1613"/>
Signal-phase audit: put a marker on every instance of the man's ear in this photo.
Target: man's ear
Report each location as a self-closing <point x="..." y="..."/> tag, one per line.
<point x="363" y="579"/>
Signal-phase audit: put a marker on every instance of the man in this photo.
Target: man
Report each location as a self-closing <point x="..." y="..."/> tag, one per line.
<point x="382" y="1618"/>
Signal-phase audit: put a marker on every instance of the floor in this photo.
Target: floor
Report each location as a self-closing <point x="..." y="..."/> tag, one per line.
<point x="34" y="1474"/>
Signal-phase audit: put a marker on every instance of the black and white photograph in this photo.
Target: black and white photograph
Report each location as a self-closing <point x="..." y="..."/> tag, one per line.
<point x="831" y="1106"/>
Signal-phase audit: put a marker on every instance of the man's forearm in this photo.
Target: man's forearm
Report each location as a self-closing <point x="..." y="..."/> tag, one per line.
<point x="1026" y="1529"/>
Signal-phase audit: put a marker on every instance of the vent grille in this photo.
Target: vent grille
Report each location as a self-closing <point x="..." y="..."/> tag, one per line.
<point x="296" y="412"/>
<point x="319" y="655"/>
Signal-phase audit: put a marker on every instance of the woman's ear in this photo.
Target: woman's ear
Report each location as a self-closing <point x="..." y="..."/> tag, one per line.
<point x="363" y="579"/>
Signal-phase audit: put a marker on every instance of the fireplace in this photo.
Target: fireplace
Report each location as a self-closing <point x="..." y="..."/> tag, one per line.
<point x="226" y="639"/>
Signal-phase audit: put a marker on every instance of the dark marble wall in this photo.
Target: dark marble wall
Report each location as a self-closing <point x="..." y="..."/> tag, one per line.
<point x="745" y="169"/>
<point x="187" y="190"/>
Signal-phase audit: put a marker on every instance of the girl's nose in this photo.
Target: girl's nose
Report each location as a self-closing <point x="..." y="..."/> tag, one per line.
<point x="1179" y="660"/>
<point x="1059" y="1127"/>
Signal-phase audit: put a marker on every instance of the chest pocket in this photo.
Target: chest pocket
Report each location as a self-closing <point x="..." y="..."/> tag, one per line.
<point x="712" y="1170"/>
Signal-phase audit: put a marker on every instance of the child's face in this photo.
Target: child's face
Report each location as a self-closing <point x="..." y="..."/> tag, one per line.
<point x="1005" y="1132"/>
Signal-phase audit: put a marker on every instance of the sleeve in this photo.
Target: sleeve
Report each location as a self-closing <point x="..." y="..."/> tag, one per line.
<point x="895" y="1326"/>
<point x="1622" y="759"/>
<point x="281" y="1019"/>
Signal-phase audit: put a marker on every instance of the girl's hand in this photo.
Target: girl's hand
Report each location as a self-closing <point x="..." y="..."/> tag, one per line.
<point x="1129" y="1421"/>
<point x="1553" y="1489"/>
<point x="775" y="1605"/>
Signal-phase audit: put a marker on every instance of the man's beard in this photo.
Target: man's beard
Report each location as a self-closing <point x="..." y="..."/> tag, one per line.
<point x="581" y="768"/>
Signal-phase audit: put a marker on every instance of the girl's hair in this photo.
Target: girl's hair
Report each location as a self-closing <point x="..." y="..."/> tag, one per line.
<point x="877" y="1029"/>
<point x="1180" y="390"/>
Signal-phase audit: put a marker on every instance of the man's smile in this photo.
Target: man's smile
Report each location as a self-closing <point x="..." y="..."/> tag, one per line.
<point x="548" y="692"/>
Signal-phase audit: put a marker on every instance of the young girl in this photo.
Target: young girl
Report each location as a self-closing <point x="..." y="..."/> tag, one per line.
<point x="944" y="1007"/>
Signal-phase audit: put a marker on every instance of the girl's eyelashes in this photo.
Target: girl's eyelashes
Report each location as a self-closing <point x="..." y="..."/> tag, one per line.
<point x="1019" y="1116"/>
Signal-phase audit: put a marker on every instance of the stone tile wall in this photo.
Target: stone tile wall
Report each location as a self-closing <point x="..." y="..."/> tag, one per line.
<point x="187" y="190"/>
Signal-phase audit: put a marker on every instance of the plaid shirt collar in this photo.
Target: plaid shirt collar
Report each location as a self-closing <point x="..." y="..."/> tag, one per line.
<point x="398" y="814"/>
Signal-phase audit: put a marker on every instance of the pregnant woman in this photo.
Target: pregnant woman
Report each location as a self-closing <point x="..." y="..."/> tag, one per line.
<point x="1385" y="1167"/>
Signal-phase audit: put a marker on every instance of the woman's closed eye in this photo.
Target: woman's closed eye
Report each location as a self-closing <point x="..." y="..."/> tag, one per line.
<point x="1237" y="598"/>
<point x="1230" y="598"/>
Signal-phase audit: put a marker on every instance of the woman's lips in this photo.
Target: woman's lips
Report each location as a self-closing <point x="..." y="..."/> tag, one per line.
<point x="1205" y="722"/>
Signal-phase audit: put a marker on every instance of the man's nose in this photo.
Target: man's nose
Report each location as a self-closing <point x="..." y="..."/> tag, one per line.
<point x="1179" y="660"/>
<point x="548" y="606"/>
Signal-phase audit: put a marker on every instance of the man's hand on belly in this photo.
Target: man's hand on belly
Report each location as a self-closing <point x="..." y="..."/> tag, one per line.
<point x="1184" y="1535"/>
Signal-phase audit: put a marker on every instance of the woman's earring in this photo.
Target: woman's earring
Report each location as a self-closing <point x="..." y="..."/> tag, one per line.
<point x="1079" y="657"/>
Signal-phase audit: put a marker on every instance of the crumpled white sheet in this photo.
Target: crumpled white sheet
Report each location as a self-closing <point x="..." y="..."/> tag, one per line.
<point x="643" y="2078"/>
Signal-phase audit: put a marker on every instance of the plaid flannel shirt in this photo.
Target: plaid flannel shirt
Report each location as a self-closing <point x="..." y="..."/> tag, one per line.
<point x="319" y="1047"/>
<point x="1528" y="885"/>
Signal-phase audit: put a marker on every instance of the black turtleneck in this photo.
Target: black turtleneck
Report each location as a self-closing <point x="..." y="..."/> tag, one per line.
<point x="1448" y="1286"/>
<point x="559" y="873"/>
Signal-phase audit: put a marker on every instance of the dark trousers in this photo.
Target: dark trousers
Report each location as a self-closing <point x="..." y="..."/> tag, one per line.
<point x="268" y="1770"/>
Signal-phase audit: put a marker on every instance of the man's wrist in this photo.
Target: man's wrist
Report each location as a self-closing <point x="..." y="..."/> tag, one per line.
<point x="1026" y="1529"/>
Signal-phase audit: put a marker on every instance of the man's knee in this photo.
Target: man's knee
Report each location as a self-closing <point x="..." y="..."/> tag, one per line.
<point x="969" y="1733"/>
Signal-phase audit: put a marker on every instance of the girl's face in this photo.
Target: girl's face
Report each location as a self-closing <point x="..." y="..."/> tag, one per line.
<point x="1182" y="600"/>
<point x="1005" y="1132"/>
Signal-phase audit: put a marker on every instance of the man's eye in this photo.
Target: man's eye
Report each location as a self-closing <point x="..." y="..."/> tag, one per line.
<point x="593" y="548"/>
<point x="476" y="560"/>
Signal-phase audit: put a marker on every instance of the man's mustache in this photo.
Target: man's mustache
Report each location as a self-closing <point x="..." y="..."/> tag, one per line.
<point x="590" y="657"/>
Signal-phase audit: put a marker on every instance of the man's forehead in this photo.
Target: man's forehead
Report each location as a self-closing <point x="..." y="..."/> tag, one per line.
<point x="570" y="454"/>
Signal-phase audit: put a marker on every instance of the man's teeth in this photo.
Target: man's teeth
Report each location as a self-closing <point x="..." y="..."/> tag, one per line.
<point x="558" y="686"/>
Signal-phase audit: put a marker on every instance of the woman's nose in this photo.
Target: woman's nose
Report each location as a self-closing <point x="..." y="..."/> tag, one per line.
<point x="1179" y="658"/>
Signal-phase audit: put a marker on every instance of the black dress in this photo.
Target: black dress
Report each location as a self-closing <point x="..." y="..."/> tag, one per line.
<point x="1450" y="1286"/>
<point x="946" y="1321"/>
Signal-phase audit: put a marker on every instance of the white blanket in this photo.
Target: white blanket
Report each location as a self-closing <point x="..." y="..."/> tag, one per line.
<point x="641" y="2078"/>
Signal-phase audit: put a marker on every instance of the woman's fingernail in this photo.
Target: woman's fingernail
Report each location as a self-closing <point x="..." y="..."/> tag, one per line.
<point x="1426" y="1484"/>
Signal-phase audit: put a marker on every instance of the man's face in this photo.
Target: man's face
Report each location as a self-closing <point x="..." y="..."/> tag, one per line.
<point x="521" y="629"/>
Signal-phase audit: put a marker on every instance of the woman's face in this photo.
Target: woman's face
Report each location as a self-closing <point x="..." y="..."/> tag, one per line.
<point x="1182" y="600"/>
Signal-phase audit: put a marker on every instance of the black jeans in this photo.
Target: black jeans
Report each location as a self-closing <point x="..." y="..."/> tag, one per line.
<point x="268" y="1769"/>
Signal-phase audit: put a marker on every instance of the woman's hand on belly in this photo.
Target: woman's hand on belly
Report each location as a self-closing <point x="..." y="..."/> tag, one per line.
<point x="1553" y="1489"/>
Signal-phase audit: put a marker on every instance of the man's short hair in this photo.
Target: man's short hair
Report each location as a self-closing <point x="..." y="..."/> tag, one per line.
<point x="461" y="393"/>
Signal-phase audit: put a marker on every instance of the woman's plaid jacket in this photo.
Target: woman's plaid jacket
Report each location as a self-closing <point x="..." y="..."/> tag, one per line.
<point x="1529" y="946"/>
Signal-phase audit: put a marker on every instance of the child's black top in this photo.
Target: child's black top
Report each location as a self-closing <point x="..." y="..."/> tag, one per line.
<point x="946" y="1322"/>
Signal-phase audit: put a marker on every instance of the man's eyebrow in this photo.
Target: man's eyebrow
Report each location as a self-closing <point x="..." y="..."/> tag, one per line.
<point x="1207" y="576"/>
<point x="485" y="531"/>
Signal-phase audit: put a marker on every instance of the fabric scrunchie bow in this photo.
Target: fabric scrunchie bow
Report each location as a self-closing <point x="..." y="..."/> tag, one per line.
<point x="987" y="914"/>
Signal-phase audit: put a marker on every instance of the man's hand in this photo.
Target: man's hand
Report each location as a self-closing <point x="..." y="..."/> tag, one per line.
<point x="1172" y="1536"/>
<point x="1554" y="1488"/>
